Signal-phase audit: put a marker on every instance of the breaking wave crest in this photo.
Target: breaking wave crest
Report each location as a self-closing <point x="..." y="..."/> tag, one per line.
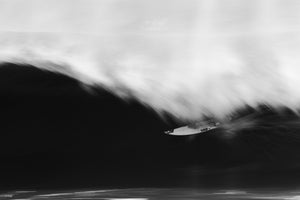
<point x="190" y="59"/>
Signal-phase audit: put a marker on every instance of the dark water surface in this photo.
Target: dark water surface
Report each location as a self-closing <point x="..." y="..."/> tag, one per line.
<point x="59" y="141"/>
<point x="183" y="184"/>
<point x="153" y="193"/>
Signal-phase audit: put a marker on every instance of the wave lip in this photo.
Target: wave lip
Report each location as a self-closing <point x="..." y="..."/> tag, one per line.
<point x="190" y="59"/>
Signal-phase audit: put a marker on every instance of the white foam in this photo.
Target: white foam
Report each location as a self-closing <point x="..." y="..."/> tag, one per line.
<point x="186" y="57"/>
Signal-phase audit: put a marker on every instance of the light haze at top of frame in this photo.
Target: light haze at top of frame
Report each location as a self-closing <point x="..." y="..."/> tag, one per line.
<point x="189" y="58"/>
<point x="134" y="16"/>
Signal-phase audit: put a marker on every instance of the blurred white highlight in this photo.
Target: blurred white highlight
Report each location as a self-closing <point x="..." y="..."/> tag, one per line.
<point x="189" y="58"/>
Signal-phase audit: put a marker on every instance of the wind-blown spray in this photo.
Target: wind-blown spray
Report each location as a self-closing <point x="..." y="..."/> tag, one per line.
<point x="189" y="58"/>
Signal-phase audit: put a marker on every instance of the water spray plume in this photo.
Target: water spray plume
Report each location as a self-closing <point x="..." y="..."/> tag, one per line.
<point x="187" y="58"/>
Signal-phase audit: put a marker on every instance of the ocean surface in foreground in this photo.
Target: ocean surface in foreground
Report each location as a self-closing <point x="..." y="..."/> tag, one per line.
<point x="152" y="193"/>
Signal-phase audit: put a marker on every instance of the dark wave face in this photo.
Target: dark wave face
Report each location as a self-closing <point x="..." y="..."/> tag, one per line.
<point x="57" y="134"/>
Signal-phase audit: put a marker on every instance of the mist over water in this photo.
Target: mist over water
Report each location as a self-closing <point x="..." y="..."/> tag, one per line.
<point x="190" y="59"/>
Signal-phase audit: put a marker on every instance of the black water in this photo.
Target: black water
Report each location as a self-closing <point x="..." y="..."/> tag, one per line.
<point x="153" y="193"/>
<point x="61" y="142"/>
